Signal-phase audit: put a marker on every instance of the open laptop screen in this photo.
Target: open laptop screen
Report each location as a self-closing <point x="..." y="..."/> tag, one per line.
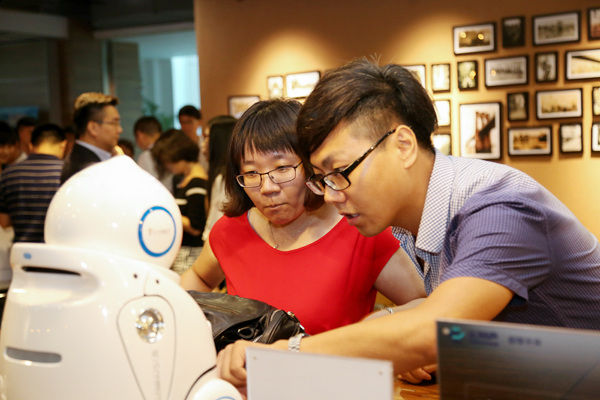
<point x="498" y="361"/>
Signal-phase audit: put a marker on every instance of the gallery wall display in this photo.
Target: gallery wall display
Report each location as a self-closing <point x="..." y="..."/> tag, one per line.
<point x="530" y="141"/>
<point x="506" y="71"/>
<point x="582" y="64"/>
<point x="236" y="105"/>
<point x="562" y="103"/>
<point x="517" y="105"/>
<point x="467" y="75"/>
<point x="475" y="38"/>
<point x="570" y="136"/>
<point x="440" y="77"/>
<point x="301" y="84"/>
<point x="556" y="28"/>
<point x="480" y="128"/>
<point x="513" y="32"/>
<point x="594" y="23"/>
<point x="546" y="67"/>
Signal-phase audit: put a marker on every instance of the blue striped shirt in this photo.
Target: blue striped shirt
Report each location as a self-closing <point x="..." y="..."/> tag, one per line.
<point x="493" y="222"/>
<point x="26" y="189"/>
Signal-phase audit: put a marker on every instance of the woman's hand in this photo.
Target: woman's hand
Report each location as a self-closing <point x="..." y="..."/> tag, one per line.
<point x="420" y="374"/>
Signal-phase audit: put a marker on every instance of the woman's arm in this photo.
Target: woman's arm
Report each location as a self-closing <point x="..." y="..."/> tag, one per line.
<point x="205" y="274"/>
<point x="399" y="280"/>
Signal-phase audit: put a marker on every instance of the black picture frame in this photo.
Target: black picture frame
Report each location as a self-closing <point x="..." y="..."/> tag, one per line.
<point x="596" y="101"/>
<point x="559" y="103"/>
<point x="556" y="28"/>
<point x="480" y="130"/>
<point x="595" y="137"/>
<point x="513" y="32"/>
<point x="506" y="71"/>
<point x="594" y="23"/>
<point x="467" y="73"/>
<point x="440" y="77"/>
<point x="582" y="64"/>
<point x="517" y="106"/>
<point x="530" y="141"/>
<point x="546" y="67"/>
<point x="479" y="38"/>
<point x="570" y="137"/>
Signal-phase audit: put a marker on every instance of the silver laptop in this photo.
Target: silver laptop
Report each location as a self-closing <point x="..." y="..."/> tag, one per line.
<point x="498" y="361"/>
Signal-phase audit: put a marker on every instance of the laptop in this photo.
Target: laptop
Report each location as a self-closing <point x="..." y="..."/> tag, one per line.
<point x="500" y="361"/>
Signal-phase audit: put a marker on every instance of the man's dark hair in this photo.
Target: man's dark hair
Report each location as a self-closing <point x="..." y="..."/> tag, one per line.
<point x="7" y="135"/>
<point x="148" y="124"/>
<point x="173" y="146"/>
<point x="90" y="107"/>
<point x="25" y="121"/>
<point x="50" y="133"/>
<point x="220" y="128"/>
<point x="362" y="91"/>
<point x="266" y="126"/>
<point x="190" y="111"/>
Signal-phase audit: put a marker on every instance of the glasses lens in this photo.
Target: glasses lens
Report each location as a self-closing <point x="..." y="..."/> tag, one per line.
<point x="336" y="181"/>
<point x="283" y="174"/>
<point x="248" y="180"/>
<point x="316" y="187"/>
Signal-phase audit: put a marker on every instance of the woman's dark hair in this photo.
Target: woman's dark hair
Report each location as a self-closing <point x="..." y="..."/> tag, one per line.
<point x="267" y="126"/>
<point x="220" y="129"/>
<point x="173" y="146"/>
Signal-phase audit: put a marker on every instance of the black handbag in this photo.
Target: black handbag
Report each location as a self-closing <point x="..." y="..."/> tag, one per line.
<point x="233" y="318"/>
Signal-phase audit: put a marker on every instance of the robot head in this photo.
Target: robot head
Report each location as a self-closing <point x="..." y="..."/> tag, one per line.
<point x="116" y="207"/>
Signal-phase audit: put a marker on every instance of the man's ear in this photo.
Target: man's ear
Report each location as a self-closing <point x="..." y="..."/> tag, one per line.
<point x="92" y="128"/>
<point x="407" y="144"/>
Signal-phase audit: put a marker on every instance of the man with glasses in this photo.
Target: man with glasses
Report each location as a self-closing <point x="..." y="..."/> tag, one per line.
<point x="98" y="127"/>
<point x="489" y="241"/>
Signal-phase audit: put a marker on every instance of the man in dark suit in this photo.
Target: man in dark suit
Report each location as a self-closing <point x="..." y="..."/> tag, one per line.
<point x="98" y="126"/>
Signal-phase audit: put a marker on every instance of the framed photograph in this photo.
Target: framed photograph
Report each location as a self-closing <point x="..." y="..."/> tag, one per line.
<point x="582" y="64"/>
<point x="596" y="101"/>
<point x="440" y="77"/>
<point x="530" y="141"/>
<point x="546" y="67"/>
<point x="418" y="71"/>
<point x="594" y="23"/>
<point x="596" y="137"/>
<point x="518" y="106"/>
<point x="506" y="71"/>
<point x="513" y="32"/>
<point x="442" y="108"/>
<point x="275" y="86"/>
<point x="301" y="84"/>
<point x="442" y="142"/>
<point x="480" y="127"/>
<point x="474" y="38"/>
<point x="563" y="103"/>
<point x="467" y="75"/>
<point x="571" y="138"/>
<point x="238" y="104"/>
<point x="556" y="28"/>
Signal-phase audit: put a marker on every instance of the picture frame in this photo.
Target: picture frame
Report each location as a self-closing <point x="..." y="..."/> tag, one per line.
<point x="513" y="32"/>
<point x="440" y="77"/>
<point x="594" y="23"/>
<point x="560" y="103"/>
<point x="418" y="71"/>
<point x="582" y="64"/>
<point x="480" y="128"/>
<point x="467" y="75"/>
<point x="442" y="142"/>
<point x="275" y="86"/>
<point x="556" y="28"/>
<point x="517" y="106"/>
<point x="595" y="144"/>
<point x="300" y="84"/>
<point x="596" y="101"/>
<point x="530" y="141"/>
<point x="470" y="39"/>
<point x="442" y="109"/>
<point x="237" y="105"/>
<point x="570" y="136"/>
<point x="546" y="67"/>
<point x="506" y="71"/>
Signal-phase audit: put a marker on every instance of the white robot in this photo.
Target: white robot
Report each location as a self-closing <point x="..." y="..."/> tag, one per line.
<point x="95" y="313"/>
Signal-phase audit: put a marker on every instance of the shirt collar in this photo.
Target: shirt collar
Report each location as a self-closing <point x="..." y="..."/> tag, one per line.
<point x="102" y="154"/>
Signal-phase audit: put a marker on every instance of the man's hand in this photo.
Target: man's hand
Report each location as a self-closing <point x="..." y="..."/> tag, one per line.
<point x="418" y="375"/>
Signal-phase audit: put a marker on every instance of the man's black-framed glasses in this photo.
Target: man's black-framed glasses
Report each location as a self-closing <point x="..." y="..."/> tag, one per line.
<point x="281" y="174"/>
<point x="338" y="180"/>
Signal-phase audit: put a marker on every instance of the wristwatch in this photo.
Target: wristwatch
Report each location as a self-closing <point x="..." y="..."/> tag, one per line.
<point x="294" y="342"/>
